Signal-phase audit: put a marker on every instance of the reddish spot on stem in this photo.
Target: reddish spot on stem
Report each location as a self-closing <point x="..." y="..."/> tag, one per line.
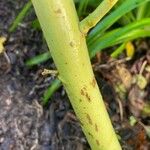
<point x="96" y="128"/>
<point x="89" y="119"/>
<point x="97" y="142"/>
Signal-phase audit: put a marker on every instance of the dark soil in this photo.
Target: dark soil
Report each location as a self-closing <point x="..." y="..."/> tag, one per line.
<point x="26" y="125"/>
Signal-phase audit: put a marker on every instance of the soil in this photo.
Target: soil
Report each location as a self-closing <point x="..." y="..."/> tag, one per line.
<point x="25" y="124"/>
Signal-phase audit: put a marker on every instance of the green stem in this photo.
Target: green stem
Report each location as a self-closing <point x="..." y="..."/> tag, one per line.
<point x="59" y="22"/>
<point x="93" y="18"/>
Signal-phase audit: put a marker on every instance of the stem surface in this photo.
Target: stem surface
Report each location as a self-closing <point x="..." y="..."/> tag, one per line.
<point x="60" y="24"/>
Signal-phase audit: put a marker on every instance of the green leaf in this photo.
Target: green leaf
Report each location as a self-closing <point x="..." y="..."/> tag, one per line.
<point x="50" y="90"/>
<point x="36" y="24"/>
<point x="38" y="59"/>
<point x="108" y="21"/>
<point x="20" y="17"/>
<point x="134" y="30"/>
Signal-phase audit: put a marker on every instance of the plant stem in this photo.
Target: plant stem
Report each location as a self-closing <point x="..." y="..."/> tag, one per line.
<point x="60" y="24"/>
<point x="92" y="19"/>
<point x="118" y="36"/>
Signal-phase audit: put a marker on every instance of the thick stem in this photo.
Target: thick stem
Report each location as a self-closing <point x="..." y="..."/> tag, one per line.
<point x="92" y="19"/>
<point x="67" y="45"/>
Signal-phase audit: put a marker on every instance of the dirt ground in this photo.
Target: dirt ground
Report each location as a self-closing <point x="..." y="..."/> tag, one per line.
<point x="26" y="125"/>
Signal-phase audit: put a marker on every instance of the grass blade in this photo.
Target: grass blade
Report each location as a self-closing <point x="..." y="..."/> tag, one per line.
<point x="20" y="17"/>
<point x="50" y="90"/>
<point x="124" y="8"/>
<point x="38" y="59"/>
<point x="110" y="38"/>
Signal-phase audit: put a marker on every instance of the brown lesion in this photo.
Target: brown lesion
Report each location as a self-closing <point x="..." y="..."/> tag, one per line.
<point x="87" y="96"/>
<point x="93" y="82"/>
<point x="96" y="127"/>
<point x="97" y="142"/>
<point x="111" y="1"/>
<point x="89" y="119"/>
<point x="82" y="92"/>
<point x="72" y="44"/>
<point x="84" y="88"/>
<point x="81" y="123"/>
<point x="90" y="134"/>
<point x="58" y="11"/>
<point x="90" y="23"/>
<point x="85" y="93"/>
